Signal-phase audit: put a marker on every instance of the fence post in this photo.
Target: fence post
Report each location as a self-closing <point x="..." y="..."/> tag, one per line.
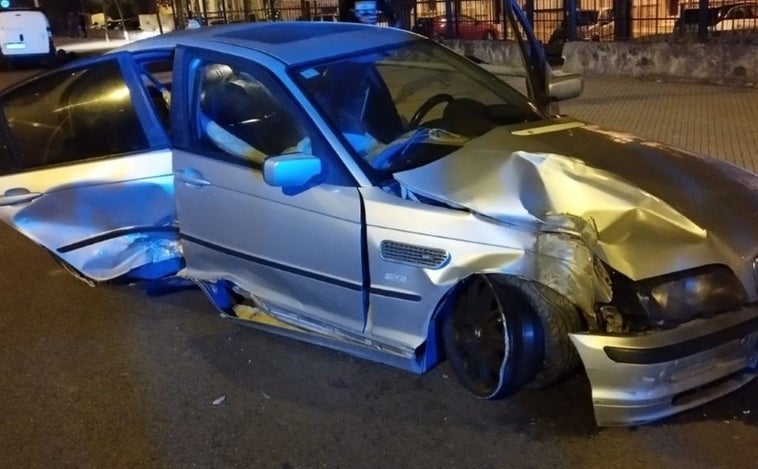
<point x="449" y="18"/>
<point x="703" y="21"/>
<point x="529" y="10"/>
<point x="500" y="15"/>
<point x="569" y="18"/>
<point x="622" y="19"/>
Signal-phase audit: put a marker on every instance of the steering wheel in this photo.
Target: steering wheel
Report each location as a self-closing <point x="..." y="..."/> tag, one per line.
<point x="426" y="107"/>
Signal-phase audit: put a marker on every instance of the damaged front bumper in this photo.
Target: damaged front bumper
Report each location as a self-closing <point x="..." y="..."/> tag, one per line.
<point x="642" y="378"/>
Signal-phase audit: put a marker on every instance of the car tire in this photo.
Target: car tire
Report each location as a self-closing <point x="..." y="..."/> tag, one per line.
<point x="558" y="317"/>
<point x="532" y="323"/>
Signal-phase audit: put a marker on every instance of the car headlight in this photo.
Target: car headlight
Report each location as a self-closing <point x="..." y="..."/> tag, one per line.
<point x="700" y="292"/>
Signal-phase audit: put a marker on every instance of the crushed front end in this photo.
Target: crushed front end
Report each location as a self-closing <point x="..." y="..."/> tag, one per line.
<point x="669" y="344"/>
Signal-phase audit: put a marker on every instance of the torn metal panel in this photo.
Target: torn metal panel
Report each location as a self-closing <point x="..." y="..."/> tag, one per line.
<point x="119" y="256"/>
<point x="582" y="279"/>
<point x="103" y="218"/>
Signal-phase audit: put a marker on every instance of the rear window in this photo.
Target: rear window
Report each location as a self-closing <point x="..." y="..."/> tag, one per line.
<point x="73" y="115"/>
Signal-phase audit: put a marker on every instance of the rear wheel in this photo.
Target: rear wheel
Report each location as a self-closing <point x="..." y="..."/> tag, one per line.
<point x="504" y="333"/>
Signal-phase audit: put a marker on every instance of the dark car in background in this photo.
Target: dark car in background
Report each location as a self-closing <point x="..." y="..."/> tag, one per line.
<point x="462" y="27"/>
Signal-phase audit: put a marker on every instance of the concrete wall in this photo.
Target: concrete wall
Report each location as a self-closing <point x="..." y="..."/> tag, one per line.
<point x="719" y="63"/>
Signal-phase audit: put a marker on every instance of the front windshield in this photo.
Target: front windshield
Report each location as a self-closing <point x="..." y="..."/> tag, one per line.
<point x="401" y="108"/>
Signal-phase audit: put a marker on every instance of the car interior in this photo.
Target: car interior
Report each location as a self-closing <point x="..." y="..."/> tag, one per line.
<point x="246" y="119"/>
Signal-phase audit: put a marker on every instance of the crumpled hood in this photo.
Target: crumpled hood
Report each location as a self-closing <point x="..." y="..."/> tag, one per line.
<point x="658" y="210"/>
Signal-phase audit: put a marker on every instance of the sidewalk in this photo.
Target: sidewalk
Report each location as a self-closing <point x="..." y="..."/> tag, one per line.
<point x="718" y="121"/>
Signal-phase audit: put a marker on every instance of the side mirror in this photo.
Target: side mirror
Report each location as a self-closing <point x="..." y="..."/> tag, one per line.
<point x="561" y="87"/>
<point x="291" y="170"/>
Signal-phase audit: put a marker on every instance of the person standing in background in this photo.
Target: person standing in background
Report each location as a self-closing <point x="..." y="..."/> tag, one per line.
<point x="72" y="22"/>
<point x="83" y="23"/>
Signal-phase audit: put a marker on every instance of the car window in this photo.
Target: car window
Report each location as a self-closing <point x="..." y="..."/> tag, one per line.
<point x="376" y="99"/>
<point x="239" y="117"/>
<point x="73" y="115"/>
<point x="740" y="12"/>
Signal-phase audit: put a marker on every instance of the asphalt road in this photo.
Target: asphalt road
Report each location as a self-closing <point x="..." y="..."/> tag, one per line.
<point x="110" y="377"/>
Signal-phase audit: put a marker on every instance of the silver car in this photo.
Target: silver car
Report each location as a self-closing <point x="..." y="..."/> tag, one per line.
<point x="366" y="189"/>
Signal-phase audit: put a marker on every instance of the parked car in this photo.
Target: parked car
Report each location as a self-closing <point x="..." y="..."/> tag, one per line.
<point x="724" y="18"/>
<point x="367" y="189"/>
<point x="463" y="27"/>
<point x="737" y="17"/>
<point x="132" y="24"/>
<point x="25" y="36"/>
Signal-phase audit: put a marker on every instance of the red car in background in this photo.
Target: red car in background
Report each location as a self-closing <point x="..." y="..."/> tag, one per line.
<point x="463" y="27"/>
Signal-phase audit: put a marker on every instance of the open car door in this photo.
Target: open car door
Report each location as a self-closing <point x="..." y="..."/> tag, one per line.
<point x="85" y="169"/>
<point x="545" y="86"/>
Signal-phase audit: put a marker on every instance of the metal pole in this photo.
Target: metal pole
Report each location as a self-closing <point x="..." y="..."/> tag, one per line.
<point x="703" y="21"/>
<point x="158" y="16"/>
<point x="121" y="16"/>
<point x="105" y="20"/>
<point x="570" y="9"/>
<point x="529" y="10"/>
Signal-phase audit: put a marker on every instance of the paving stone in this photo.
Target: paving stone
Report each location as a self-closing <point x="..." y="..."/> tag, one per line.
<point x="719" y="121"/>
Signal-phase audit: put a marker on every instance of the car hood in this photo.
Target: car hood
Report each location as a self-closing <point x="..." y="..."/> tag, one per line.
<point x="657" y="209"/>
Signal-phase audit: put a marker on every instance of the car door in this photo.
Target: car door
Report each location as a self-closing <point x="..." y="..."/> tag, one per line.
<point x="298" y="253"/>
<point x="86" y="168"/>
<point x="536" y="67"/>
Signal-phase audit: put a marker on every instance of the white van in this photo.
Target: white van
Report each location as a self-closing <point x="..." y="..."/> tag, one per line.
<point x="25" y="35"/>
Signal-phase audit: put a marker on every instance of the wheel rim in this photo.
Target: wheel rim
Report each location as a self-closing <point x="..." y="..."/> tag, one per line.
<point x="480" y="334"/>
<point x="493" y="338"/>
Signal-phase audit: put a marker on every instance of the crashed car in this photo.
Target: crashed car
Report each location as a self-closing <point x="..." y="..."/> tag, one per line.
<point x="369" y="190"/>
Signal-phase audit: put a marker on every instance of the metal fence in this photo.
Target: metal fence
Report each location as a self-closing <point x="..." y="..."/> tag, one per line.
<point x="552" y="20"/>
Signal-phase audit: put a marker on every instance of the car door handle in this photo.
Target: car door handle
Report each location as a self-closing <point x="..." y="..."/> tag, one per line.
<point x="192" y="177"/>
<point x="18" y="195"/>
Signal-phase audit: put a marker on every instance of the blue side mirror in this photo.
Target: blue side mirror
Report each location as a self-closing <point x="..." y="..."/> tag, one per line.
<point x="291" y="170"/>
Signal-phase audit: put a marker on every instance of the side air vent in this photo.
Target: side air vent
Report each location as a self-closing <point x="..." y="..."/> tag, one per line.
<point x="420" y="256"/>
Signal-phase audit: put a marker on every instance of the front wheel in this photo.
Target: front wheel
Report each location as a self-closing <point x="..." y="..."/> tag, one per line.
<point x="504" y="333"/>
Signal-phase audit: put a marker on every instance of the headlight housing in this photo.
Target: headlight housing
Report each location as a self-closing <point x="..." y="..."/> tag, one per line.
<point x="700" y="292"/>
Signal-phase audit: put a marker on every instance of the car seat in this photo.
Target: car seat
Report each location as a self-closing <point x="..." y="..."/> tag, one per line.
<point x="244" y="107"/>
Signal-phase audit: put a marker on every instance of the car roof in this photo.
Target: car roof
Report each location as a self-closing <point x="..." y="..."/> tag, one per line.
<point x="292" y="42"/>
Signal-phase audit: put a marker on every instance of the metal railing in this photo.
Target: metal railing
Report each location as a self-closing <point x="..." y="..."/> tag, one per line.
<point x="592" y="20"/>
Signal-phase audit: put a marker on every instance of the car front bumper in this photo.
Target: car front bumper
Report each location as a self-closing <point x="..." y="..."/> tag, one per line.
<point x="637" y="379"/>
